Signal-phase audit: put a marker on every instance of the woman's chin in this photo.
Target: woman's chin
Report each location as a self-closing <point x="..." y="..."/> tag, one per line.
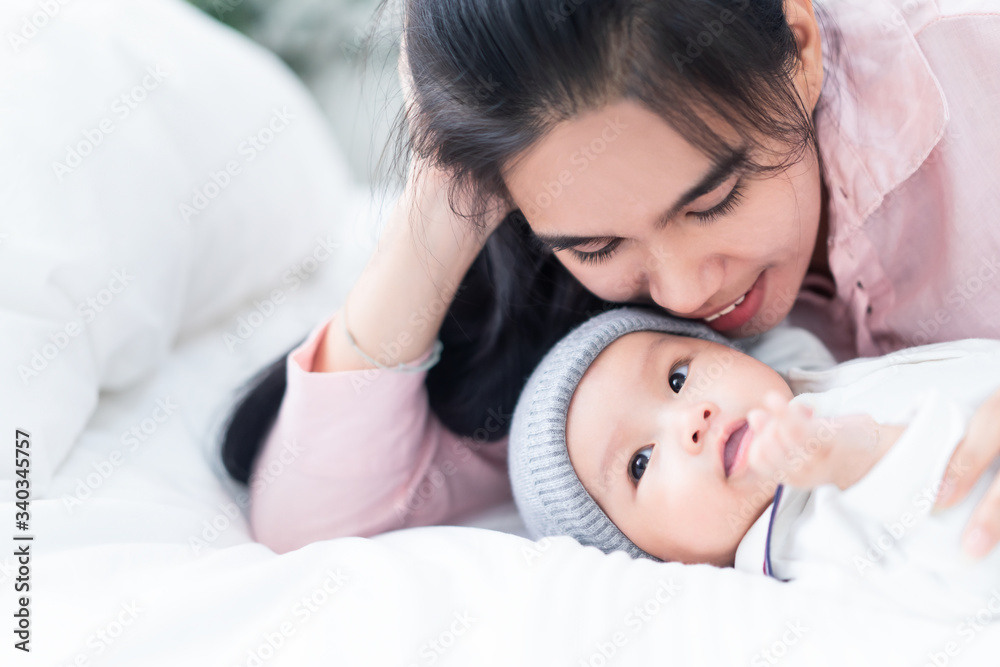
<point x="751" y="328"/>
<point x="769" y="314"/>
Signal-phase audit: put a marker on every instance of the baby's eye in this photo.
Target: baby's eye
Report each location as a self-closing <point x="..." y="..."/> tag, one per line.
<point x="677" y="378"/>
<point x="638" y="464"/>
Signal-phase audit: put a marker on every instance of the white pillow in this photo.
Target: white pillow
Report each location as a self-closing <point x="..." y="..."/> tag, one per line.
<point x="157" y="169"/>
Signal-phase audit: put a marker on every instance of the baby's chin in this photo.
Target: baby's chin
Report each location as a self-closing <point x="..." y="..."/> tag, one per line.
<point x="725" y="557"/>
<point x="722" y="560"/>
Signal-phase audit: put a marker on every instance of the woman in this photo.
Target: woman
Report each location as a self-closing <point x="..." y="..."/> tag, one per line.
<point x="675" y="153"/>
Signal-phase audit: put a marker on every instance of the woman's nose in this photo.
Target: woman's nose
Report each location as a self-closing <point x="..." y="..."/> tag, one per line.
<point x="684" y="287"/>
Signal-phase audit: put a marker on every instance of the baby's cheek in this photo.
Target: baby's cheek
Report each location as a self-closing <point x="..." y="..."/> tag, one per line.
<point x="699" y="516"/>
<point x="704" y="537"/>
<point x="722" y="527"/>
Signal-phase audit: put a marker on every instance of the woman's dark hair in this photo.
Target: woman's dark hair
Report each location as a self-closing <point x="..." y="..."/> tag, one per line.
<point x="492" y="77"/>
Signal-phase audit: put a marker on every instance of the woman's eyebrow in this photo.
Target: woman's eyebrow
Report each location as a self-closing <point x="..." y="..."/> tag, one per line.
<point x="721" y="170"/>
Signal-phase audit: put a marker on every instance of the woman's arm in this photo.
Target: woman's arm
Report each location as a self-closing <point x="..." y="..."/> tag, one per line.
<point x="356" y="453"/>
<point x="356" y="450"/>
<point x="395" y="309"/>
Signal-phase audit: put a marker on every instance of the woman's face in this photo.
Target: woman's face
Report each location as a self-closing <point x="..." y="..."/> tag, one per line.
<point x="636" y="213"/>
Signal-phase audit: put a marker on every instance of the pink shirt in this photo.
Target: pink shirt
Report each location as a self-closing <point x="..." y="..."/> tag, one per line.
<point x="911" y="151"/>
<point x="912" y="162"/>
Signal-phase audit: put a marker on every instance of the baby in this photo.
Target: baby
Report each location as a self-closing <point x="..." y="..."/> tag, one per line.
<point x="658" y="437"/>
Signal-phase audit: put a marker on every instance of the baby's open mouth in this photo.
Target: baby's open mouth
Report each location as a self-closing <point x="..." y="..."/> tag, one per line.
<point x="734" y="445"/>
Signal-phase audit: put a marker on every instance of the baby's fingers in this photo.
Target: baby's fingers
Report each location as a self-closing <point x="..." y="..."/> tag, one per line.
<point x="797" y="424"/>
<point x="775" y="402"/>
<point x="767" y="450"/>
<point x="758" y="419"/>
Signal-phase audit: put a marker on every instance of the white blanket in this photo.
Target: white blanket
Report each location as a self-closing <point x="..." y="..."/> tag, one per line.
<point x="142" y="554"/>
<point x="157" y="568"/>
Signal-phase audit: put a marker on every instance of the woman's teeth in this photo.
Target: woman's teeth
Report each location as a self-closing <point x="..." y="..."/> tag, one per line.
<point x="727" y="310"/>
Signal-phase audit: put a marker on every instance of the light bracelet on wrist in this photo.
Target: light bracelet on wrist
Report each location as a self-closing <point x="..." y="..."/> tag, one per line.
<point x="400" y="367"/>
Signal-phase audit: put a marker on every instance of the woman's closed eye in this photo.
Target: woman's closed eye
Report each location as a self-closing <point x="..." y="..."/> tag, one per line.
<point x="605" y="252"/>
<point x="637" y="465"/>
<point x="722" y="208"/>
<point x="600" y="255"/>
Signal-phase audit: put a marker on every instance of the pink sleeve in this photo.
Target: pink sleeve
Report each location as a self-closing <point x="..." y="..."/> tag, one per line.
<point x="357" y="453"/>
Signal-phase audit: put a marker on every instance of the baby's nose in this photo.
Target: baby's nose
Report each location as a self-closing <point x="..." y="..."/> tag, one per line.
<point x="699" y="421"/>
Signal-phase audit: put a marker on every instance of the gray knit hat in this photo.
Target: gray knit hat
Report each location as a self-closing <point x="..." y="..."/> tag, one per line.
<point x="548" y="494"/>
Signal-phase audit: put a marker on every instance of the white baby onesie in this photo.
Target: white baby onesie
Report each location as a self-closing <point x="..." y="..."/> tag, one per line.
<point x="878" y="537"/>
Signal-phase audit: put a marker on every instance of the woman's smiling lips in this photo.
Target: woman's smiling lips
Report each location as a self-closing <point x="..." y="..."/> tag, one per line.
<point x="740" y="311"/>
<point x="727" y="310"/>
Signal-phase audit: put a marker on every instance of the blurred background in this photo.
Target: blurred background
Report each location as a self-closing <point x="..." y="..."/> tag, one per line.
<point x="345" y="55"/>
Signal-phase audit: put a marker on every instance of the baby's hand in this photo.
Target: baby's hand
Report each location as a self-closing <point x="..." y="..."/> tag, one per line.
<point x="789" y="445"/>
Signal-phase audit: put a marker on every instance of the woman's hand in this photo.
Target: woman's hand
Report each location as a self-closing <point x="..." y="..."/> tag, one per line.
<point x="427" y="187"/>
<point x="395" y="309"/>
<point x="973" y="455"/>
<point x="427" y="201"/>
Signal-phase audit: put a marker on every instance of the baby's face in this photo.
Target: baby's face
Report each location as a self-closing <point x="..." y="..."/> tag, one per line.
<point x="647" y="433"/>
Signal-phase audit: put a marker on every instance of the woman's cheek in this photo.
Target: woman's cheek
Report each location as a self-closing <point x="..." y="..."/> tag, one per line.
<point x="628" y="288"/>
<point x="619" y="278"/>
<point x="610" y="282"/>
<point x="593" y="278"/>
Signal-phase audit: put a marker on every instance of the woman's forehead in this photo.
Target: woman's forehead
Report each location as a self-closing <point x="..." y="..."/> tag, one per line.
<point x="622" y="161"/>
